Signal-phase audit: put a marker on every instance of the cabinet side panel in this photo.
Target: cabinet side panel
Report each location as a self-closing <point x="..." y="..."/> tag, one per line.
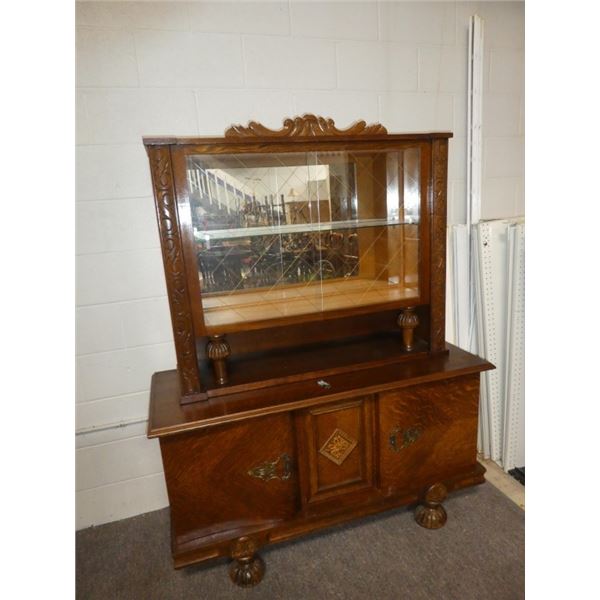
<point x="175" y="274"/>
<point x="438" y="245"/>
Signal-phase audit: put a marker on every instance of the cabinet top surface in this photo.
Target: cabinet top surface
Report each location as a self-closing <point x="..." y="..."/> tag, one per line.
<point x="168" y="140"/>
<point x="167" y="416"/>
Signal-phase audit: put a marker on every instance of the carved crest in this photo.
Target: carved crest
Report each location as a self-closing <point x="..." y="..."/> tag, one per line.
<point x="305" y="126"/>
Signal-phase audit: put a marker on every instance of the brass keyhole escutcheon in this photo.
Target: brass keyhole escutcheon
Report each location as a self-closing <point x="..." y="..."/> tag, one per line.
<point x="269" y="469"/>
<point x="401" y="438"/>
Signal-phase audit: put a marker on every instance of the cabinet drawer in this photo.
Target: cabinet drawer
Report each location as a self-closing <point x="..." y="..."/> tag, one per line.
<point x="427" y="432"/>
<point x="336" y="450"/>
<point x="231" y="477"/>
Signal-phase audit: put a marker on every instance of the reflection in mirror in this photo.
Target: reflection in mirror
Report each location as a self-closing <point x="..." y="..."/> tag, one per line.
<point x="242" y="197"/>
<point x="296" y="233"/>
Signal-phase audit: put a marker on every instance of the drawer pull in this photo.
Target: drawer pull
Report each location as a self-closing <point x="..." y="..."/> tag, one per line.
<point x="268" y="470"/>
<point x="401" y="438"/>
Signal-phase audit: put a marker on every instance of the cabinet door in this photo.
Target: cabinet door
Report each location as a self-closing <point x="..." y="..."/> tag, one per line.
<point x="231" y="477"/>
<point x="336" y="452"/>
<point x="427" y="432"/>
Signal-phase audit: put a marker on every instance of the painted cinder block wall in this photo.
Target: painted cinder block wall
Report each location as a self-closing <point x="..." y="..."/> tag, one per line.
<point x="195" y="68"/>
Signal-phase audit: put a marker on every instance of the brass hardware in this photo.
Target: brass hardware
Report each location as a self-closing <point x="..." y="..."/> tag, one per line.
<point x="408" y="437"/>
<point x="268" y="470"/>
<point x="324" y="384"/>
<point x="338" y="446"/>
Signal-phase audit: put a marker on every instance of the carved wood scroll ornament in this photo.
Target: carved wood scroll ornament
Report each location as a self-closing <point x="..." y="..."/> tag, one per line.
<point x="185" y="347"/>
<point x="438" y="246"/>
<point x="305" y="126"/>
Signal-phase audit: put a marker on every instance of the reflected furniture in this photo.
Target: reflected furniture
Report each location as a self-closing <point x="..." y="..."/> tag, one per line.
<point x="305" y="270"/>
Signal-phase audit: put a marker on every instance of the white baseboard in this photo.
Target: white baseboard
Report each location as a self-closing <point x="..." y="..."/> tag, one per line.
<point x="121" y="500"/>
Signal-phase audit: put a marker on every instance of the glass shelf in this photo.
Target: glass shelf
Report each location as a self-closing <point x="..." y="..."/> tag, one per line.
<point x="222" y="234"/>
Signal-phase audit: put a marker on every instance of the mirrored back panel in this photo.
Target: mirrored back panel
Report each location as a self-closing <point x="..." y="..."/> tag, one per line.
<point x="288" y="234"/>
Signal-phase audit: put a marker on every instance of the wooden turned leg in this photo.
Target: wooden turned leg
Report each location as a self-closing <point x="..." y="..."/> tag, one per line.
<point x="408" y="321"/>
<point x="431" y="514"/>
<point x="247" y="568"/>
<point x="218" y="350"/>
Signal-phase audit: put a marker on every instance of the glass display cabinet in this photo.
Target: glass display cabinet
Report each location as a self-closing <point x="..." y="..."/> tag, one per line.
<point x="289" y="235"/>
<point x="305" y="269"/>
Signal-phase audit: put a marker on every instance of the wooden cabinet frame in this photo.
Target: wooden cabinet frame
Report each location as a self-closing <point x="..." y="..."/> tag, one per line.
<point x="308" y="134"/>
<point x="278" y="428"/>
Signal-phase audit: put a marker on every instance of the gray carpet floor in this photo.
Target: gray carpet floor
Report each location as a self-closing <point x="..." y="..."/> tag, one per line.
<point x="478" y="555"/>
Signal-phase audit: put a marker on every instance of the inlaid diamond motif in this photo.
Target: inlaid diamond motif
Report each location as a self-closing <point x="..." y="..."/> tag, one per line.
<point x="338" y="446"/>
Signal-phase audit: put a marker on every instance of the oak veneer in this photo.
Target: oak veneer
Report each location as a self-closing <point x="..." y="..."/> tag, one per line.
<point x="209" y="450"/>
<point x="278" y="422"/>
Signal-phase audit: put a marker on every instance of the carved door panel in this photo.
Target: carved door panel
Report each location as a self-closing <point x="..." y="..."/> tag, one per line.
<point x="427" y="432"/>
<point x="231" y="477"/>
<point x="336" y="453"/>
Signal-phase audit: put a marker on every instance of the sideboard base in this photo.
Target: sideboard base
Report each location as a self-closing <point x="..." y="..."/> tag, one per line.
<point x="207" y="549"/>
<point x="253" y="469"/>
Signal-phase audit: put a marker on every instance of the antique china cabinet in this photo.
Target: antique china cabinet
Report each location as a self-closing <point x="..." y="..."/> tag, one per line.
<point x="305" y="270"/>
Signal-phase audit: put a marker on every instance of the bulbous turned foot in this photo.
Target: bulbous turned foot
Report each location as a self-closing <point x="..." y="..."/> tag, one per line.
<point x="431" y="514"/>
<point x="247" y="572"/>
<point x="247" y="568"/>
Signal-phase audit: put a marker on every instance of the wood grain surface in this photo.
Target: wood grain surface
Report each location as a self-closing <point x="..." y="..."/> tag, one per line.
<point x="295" y="408"/>
<point x="445" y="415"/>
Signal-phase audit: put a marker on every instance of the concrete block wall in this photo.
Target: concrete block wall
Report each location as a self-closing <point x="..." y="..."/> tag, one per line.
<point x="194" y="68"/>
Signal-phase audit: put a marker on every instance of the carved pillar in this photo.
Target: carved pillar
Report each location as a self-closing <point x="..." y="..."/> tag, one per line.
<point x="218" y="351"/>
<point x="247" y="568"/>
<point x="173" y="261"/>
<point x="432" y="515"/>
<point x="408" y="321"/>
<point x="437" y="303"/>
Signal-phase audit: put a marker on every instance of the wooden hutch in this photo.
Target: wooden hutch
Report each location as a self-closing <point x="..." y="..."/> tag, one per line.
<point x="305" y="270"/>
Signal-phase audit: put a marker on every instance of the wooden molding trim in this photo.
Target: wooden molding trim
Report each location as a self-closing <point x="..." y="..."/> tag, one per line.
<point x="172" y="250"/>
<point x="307" y="125"/>
<point x="438" y="247"/>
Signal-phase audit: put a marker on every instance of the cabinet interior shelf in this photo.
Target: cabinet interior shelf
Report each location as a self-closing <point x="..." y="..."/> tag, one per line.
<point x="238" y="310"/>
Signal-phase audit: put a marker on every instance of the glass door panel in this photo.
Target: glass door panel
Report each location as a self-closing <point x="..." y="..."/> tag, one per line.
<point x="280" y="235"/>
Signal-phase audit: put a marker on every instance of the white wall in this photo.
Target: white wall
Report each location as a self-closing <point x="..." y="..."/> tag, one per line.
<point x="195" y="68"/>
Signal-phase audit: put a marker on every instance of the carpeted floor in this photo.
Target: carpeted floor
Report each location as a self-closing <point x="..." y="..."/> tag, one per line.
<point x="478" y="555"/>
